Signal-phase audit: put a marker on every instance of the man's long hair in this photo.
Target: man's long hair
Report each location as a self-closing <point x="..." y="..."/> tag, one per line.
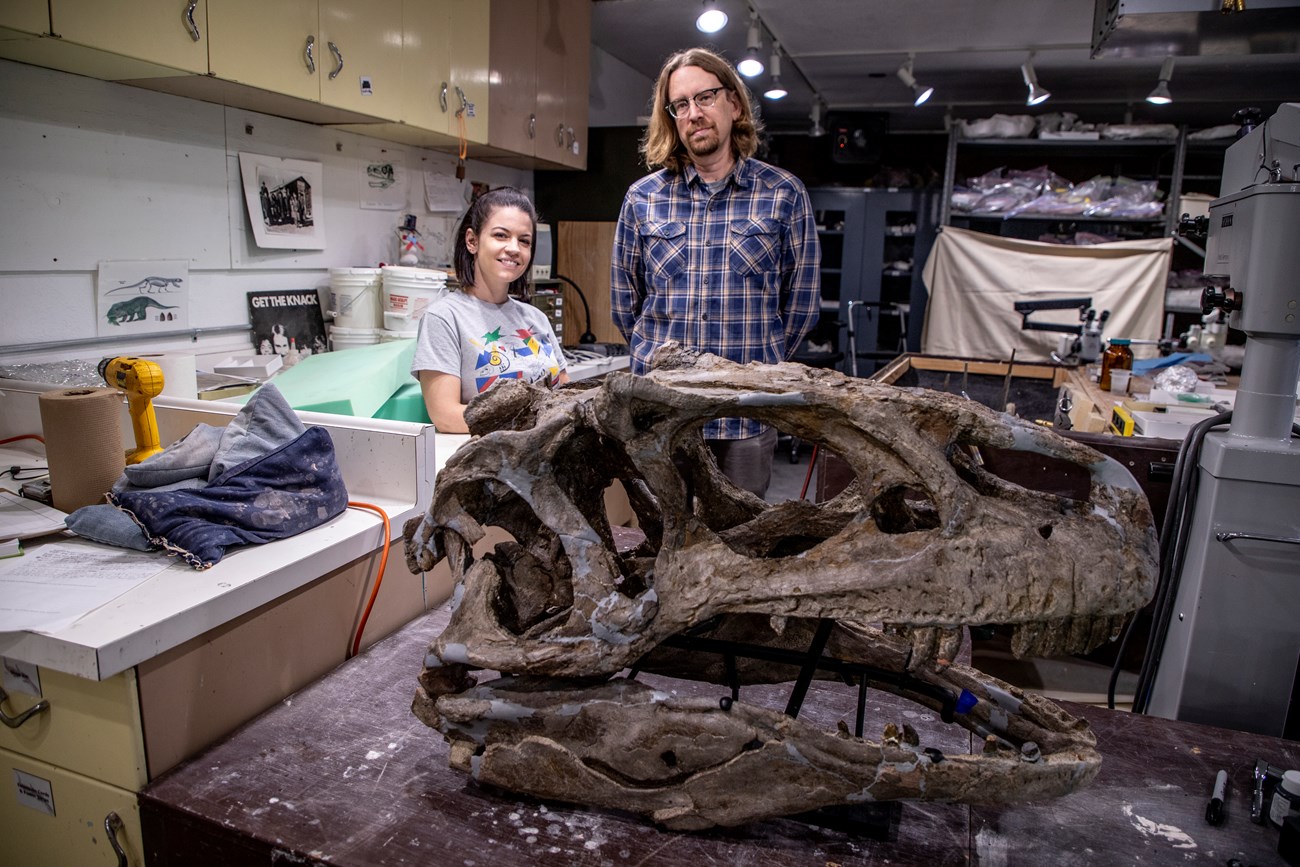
<point x="661" y="145"/>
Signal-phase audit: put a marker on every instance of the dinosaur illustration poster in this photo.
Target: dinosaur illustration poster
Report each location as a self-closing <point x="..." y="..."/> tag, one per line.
<point x="142" y="297"/>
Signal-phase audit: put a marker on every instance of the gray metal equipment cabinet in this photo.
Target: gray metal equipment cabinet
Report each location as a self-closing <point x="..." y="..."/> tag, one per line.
<point x="874" y="243"/>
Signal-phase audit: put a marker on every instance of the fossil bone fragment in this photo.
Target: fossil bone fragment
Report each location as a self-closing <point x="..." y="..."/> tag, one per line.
<point x="925" y="542"/>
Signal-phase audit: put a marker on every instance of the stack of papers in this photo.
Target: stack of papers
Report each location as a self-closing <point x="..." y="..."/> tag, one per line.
<point x="21" y="518"/>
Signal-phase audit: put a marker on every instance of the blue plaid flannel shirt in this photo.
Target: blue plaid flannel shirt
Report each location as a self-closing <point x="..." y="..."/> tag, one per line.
<point x="735" y="272"/>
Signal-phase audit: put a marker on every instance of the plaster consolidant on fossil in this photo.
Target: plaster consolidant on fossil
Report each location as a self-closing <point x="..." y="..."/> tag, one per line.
<point x="924" y="542"/>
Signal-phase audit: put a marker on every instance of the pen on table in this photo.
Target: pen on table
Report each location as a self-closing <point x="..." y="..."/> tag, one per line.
<point x="1214" y="809"/>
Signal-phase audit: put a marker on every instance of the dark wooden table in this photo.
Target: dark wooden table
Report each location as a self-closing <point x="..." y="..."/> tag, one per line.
<point x="342" y="773"/>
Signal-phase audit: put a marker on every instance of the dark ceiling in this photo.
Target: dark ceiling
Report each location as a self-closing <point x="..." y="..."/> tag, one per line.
<point x="844" y="54"/>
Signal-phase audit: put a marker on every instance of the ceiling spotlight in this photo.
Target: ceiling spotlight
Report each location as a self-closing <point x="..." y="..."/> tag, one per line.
<point x="1161" y="95"/>
<point x="1037" y="95"/>
<point x="712" y="19"/>
<point x="775" y="91"/>
<point x="815" y="116"/>
<point x="920" y="92"/>
<point x="752" y="65"/>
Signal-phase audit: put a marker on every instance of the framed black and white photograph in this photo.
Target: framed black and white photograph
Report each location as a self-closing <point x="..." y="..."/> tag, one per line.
<point x="285" y="199"/>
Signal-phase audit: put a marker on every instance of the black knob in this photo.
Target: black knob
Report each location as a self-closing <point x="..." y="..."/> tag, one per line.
<point x="1195" y="226"/>
<point x="1223" y="298"/>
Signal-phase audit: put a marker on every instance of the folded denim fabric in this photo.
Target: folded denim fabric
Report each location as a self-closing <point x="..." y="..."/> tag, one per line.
<point x="273" y="496"/>
<point x="109" y="525"/>
<point x="265" y="423"/>
<point x="190" y="457"/>
<point x="123" y="484"/>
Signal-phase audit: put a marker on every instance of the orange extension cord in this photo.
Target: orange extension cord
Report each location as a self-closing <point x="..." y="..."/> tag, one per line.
<point x="22" y="437"/>
<point x="379" y="578"/>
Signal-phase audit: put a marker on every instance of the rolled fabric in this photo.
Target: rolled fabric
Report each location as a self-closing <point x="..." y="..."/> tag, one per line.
<point x="83" y="444"/>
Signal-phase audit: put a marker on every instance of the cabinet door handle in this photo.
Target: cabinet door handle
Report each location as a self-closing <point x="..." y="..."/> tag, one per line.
<point x="559" y="135"/>
<point x="112" y="824"/>
<point x="15" y="721"/>
<point x="442" y="97"/>
<point x="1228" y="536"/>
<point x="338" y="59"/>
<point x="189" y="20"/>
<point x="532" y="126"/>
<point x="310" y="53"/>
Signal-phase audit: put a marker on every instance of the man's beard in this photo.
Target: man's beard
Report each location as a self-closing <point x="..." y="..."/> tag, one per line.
<point x="703" y="147"/>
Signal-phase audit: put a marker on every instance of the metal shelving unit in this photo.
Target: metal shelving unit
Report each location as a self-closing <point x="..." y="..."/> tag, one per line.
<point x="865" y="235"/>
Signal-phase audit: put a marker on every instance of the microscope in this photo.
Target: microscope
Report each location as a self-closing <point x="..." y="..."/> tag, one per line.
<point x="1230" y="652"/>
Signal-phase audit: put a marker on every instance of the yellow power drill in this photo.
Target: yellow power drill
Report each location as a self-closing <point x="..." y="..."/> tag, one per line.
<point x="142" y="380"/>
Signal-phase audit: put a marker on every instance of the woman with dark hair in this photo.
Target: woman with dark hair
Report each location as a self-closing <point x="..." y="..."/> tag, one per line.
<point x="474" y="337"/>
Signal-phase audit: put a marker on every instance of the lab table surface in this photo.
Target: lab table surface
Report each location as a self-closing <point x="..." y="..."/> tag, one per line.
<point x="342" y="773"/>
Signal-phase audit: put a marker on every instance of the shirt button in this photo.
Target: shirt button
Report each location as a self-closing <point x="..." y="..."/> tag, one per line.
<point x="704" y="317"/>
<point x="706" y="281"/>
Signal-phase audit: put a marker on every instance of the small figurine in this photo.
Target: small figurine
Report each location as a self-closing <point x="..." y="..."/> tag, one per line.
<point x="409" y="247"/>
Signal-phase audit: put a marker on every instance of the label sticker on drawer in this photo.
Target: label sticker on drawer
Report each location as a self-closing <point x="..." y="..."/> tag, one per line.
<point x="21" y="677"/>
<point x="34" y="792"/>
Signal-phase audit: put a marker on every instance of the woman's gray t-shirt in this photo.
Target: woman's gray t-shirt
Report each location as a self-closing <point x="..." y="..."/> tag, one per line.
<point x="483" y="342"/>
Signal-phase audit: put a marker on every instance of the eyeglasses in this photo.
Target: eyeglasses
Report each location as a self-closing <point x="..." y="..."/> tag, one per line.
<point x="704" y="99"/>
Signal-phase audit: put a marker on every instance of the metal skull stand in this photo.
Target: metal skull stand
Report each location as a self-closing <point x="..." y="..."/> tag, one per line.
<point x="727" y="589"/>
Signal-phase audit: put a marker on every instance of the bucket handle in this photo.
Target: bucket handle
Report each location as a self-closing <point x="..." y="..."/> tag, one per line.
<point x="352" y="299"/>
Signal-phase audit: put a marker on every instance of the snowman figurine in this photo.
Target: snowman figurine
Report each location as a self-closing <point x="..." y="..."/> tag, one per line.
<point x="409" y="248"/>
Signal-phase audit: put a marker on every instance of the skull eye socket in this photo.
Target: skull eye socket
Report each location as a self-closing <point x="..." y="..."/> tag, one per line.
<point x="902" y="509"/>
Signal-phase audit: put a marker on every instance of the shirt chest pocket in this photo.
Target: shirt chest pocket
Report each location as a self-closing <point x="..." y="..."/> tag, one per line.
<point x="755" y="247"/>
<point x="663" y="248"/>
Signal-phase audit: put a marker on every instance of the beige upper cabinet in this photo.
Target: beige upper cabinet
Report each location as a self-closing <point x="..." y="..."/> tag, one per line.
<point x="514" y="125"/>
<point x="27" y="16"/>
<point x="540" y="74"/>
<point x="361" y="67"/>
<point x="445" y="67"/>
<point x="170" y="33"/>
<point x="282" y="53"/>
<point x="563" y="81"/>
<point x="342" y="53"/>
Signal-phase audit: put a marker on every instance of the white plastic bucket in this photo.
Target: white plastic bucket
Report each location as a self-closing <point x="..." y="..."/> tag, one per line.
<point x="394" y="336"/>
<point x="348" y="338"/>
<point x="408" y="292"/>
<point x="355" y="297"/>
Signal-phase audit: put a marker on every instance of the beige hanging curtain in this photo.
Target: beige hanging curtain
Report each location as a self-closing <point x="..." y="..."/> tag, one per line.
<point x="975" y="279"/>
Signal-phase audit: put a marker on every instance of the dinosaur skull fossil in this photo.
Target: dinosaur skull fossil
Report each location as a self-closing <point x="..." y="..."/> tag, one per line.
<point x="881" y="580"/>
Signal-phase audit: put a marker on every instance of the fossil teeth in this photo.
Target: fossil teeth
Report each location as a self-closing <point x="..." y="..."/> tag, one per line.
<point x="929" y="644"/>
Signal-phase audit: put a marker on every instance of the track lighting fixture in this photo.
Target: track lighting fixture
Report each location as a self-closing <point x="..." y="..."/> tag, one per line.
<point x="920" y="92"/>
<point x="752" y="65"/>
<point x="775" y="90"/>
<point x="816" y="130"/>
<point x="1161" y="95"/>
<point x="1037" y="95"/>
<point x="712" y="19"/>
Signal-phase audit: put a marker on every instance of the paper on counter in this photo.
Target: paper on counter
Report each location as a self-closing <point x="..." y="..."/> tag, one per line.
<point x="22" y="518"/>
<point x="52" y="585"/>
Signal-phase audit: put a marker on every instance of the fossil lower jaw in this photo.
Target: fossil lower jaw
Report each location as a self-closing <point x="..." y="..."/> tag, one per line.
<point x="681" y="761"/>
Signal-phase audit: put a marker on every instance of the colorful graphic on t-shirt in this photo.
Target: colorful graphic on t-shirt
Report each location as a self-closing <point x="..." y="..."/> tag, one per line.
<point x="522" y="356"/>
<point x="542" y="351"/>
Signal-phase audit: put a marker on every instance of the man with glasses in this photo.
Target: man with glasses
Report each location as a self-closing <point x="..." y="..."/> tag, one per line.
<point x="715" y="250"/>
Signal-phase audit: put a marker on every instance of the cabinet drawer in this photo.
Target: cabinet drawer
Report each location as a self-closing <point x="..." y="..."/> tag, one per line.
<point x="91" y="727"/>
<point x="75" y="834"/>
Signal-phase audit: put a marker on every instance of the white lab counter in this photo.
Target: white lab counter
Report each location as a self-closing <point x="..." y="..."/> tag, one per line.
<point x="599" y="366"/>
<point x="389" y="464"/>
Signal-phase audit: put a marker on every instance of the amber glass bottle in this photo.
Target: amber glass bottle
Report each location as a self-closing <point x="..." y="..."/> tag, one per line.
<point x="1116" y="357"/>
